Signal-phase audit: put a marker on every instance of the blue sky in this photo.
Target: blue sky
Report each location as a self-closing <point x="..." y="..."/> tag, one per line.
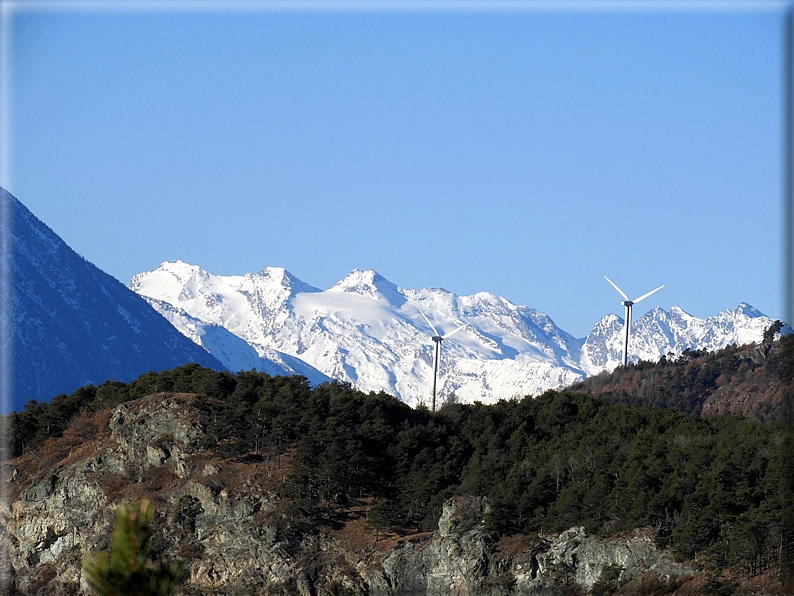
<point x="525" y="153"/>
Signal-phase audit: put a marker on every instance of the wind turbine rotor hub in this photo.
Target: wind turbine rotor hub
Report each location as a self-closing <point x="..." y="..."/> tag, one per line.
<point x="437" y="338"/>
<point x="627" y="323"/>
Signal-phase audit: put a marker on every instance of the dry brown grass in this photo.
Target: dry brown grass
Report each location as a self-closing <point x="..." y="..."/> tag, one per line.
<point x="512" y="545"/>
<point x="702" y="583"/>
<point x="359" y="537"/>
<point x="244" y="475"/>
<point x="117" y="487"/>
<point x="83" y="438"/>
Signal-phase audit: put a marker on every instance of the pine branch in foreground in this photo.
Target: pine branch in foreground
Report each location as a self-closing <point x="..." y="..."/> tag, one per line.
<point x="124" y="571"/>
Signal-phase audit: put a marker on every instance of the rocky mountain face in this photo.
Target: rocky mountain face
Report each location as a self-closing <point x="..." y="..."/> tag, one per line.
<point x="369" y="332"/>
<point x="222" y="521"/>
<point x="73" y="324"/>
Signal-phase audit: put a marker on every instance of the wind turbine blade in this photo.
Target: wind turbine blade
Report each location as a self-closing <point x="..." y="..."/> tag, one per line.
<point x="451" y="333"/>
<point x="644" y="296"/>
<point x="617" y="288"/>
<point x="431" y="324"/>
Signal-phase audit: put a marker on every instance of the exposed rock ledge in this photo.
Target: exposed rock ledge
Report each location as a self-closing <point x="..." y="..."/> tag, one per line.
<point x="460" y="559"/>
<point x="228" y="534"/>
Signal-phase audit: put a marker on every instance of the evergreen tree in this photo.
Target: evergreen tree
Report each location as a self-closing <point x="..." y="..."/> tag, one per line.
<point x="124" y="571"/>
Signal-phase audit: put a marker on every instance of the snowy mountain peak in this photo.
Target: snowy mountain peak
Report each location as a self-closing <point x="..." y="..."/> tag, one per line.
<point x="371" y="284"/>
<point x="234" y="352"/>
<point x="357" y="276"/>
<point x="182" y="270"/>
<point x="276" y="273"/>
<point x="603" y="345"/>
<point x="278" y="276"/>
<point x="608" y="322"/>
<point x="181" y="283"/>
<point x="748" y="310"/>
<point x="493" y="299"/>
<point x="659" y="333"/>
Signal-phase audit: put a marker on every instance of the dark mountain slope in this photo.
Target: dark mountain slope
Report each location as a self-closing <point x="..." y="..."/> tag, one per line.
<point x="72" y="323"/>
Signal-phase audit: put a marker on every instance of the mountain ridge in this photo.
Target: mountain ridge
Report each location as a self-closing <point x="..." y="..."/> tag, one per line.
<point x="368" y="331"/>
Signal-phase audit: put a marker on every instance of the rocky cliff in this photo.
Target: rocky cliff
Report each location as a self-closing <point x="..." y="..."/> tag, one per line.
<point x="223" y="521"/>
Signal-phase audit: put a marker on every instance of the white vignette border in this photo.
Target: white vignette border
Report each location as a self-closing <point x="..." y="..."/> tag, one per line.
<point x="10" y="8"/>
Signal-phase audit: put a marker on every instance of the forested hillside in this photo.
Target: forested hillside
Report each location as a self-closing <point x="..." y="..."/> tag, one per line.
<point x="714" y="488"/>
<point x="753" y="380"/>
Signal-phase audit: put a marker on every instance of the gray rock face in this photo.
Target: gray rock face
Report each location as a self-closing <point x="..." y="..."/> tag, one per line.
<point x="454" y="561"/>
<point x="587" y="558"/>
<point x="633" y="557"/>
<point x="223" y="522"/>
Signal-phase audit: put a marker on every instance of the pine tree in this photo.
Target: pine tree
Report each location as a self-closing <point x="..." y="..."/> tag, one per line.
<point x="124" y="571"/>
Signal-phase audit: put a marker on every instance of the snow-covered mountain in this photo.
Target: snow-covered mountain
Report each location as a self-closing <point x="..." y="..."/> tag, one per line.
<point x="234" y="352"/>
<point x="368" y="331"/>
<point x="73" y="324"/>
<point x="660" y="332"/>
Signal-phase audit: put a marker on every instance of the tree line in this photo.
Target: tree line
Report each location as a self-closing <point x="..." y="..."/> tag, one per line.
<point x="718" y="488"/>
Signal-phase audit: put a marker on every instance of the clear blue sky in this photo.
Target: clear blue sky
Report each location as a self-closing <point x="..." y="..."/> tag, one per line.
<point x="521" y="153"/>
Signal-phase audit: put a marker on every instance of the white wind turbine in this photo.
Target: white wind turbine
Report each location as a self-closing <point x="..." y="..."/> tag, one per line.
<point x="627" y="323"/>
<point x="437" y="338"/>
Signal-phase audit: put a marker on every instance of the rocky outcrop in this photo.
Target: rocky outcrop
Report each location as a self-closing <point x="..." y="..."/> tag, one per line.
<point x="462" y="559"/>
<point x="223" y="521"/>
<point x="586" y="559"/>
<point x="455" y="560"/>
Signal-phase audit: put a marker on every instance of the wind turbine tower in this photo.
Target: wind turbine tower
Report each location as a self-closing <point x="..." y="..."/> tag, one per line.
<point x="437" y="339"/>
<point x="627" y="322"/>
